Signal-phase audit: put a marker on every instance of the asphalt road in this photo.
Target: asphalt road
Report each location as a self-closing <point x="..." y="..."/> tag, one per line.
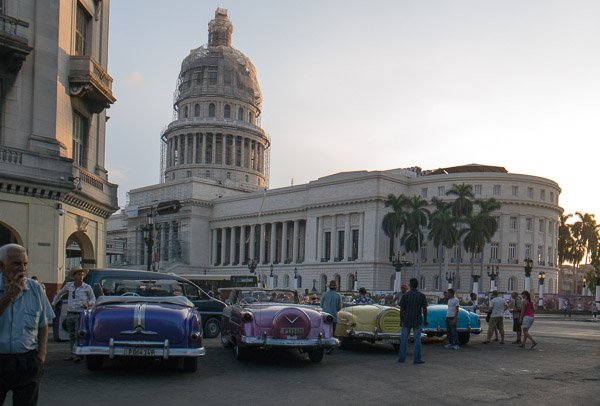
<point x="564" y="369"/>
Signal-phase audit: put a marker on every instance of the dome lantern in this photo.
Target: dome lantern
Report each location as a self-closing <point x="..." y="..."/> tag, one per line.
<point x="220" y="29"/>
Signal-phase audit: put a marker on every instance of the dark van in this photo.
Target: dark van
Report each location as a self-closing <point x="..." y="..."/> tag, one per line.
<point x="103" y="282"/>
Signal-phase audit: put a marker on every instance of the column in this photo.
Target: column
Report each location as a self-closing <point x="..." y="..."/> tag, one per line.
<point x="224" y="141"/>
<point x="319" y="238"/>
<point x="242" y="244"/>
<point x="252" y="242"/>
<point x="284" y="232"/>
<point x="215" y="242"/>
<point x="195" y="144"/>
<point x="214" y="148"/>
<point x="182" y="149"/>
<point x="361" y="235"/>
<point x="232" y="247"/>
<point x="295" y="241"/>
<point x="273" y="243"/>
<point x="347" y="238"/>
<point x="223" y="246"/>
<point x="203" y="157"/>
<point x="262" y="243"/>
<point x="242" y="152"/>
<point x="334" y="240"/>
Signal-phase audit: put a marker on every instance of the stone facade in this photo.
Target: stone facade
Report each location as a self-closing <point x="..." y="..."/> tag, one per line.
<point x="54" y="189"/>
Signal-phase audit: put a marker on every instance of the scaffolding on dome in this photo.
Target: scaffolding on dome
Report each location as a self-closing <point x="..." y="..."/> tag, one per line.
<point x="163" y="156"/>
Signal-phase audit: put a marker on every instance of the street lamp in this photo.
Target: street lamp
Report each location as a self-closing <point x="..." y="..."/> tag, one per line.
<point x="295" y="278"/>
<point x="252" y="265"/>
<point x="475" y="277"/>
<point x="355" y="281"/>
<point x="148" y="235"/>
<point x="450" y="278"/>
<point x="493" y="274"/>
<point x="584" y="288"/>
<point x="528" y="268"/>
<point x="399" y="261"/>
<point x="541" y="279"/>
<point x="271" y="278"/>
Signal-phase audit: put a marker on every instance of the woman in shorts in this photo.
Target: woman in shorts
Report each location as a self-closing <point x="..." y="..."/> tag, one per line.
<point x="527" y="318"/>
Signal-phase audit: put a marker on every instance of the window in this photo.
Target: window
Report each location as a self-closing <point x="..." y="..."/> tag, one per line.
<point x="552" y="197"/>
<point x="241" y="114"/>
<point x="200" y="76"/>
<point x="542" y="194"/>
<point x="207" y="174"/>
<point x="496" y="190"/>
<point x="512" y="251"/>
<point x="515" y="191"/>
<point x="247" y="178"/>
<point x="251" y="118"/>
<point x="185" y="112"/>
<point x="528" y="223"/>
<point x="340" y="247"/>
<point x="512" y="284"/>
<point x="82" y="31"/>
<point x="211" y="110"/>
<point x="227" y="111"/>
<point x="540" y="253"/>
<point x="424" y="193"/>
<point x="227" y="78"/>
<point x="327" y="253"/>
<point x="541" y="226"/>
<point x="494" y="251"/>
<point x="498" y="222"/>
<point x="513" y="223"/>
<point x="424" y="254"/>
<point x="527" y="250"/>
<point x="188" y="174"/>
<point x="477" y="190"/>
<point x="228" y="175"/>
<point x="212" y="75"/>
<point x="354" y="244"/>
<point x="197" y="110"/>
<point x="286" y="281"/>
<point x="80" y="139"/>
<point x="550" y="256"/>
<point x="530" y="192"/>
<point x="441" y="191"/>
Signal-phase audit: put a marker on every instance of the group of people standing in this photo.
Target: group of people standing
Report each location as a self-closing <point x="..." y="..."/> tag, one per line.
<point x="521" y="308"/>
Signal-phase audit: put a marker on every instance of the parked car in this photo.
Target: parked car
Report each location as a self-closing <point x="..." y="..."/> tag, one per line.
<point x="368" y="322"/>
<point x="467" y="323"/>
<point x="274" y="318"/>
<point x="103" y="282"/>
<point x="141" y="319"/>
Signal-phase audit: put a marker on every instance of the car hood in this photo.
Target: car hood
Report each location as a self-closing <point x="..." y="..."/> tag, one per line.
<point x="264" y="314"/>
<point x="367" y="317"/>
<point x="140" y="321"/>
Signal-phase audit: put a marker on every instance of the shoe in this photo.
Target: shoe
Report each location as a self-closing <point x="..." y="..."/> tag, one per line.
<point x="517" y="342"/>
<point x="533" y="345"/>
<point x="69" y="358"/>
<point x="485" y="342"/>
<point x="76" y="359"/>
<point x="448" y="346"/>
<point x="419" y="362"/>
<point x="455" y="347"/>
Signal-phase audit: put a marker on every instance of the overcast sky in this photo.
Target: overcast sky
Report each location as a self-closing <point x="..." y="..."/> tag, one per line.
<point x="374" y="85"/>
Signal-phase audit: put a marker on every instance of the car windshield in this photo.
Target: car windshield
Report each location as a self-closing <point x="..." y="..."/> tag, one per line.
<point x="149" y="288"/>
<point x="265" y="296"/>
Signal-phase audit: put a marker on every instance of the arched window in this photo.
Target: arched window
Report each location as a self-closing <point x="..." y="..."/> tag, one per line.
<point x="188" y="174"/>
<point x="512" y="284"/>
<point x="228" y="175"/>
<point x="299" y="282"/>
<point x="323" y="284"/>
<point x="241" y="114"/>
<point x="207" y="174"/>
<point x="422" y="282"/>
<point x="185" y="112"/>
<point x="338" y="280"/>
<point x="436" y="282"/>
<point x="275" y="280"/>
<point x="350" y="279"/>
<point x="197" y="110"/>
<point x="211" y="110"/>
<point x="227" y="111"/>
<point x="286" y="281"/>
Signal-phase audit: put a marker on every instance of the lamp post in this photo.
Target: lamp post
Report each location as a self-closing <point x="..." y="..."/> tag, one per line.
<point x="252" y="264"/>
<point x="148" y="235"/>
<point x="295" y="278"/>
<point x="541" y="278"/>
<point x="584" y="288"/>
<point x="597" y="288"/>
<point x="271" y="278"/>
<point x="355" y="281"/>
<point x="450" y="277"/>
<point x="493" y="273"/>
<point x="399" y="261"/>
<point x="475" y="277"/>
<point x="528" y="268"/>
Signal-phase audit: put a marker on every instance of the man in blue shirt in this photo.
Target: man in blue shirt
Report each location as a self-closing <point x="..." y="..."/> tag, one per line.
<point x="363" y="299"/>
<point x="413" y="311"/>
<point x="24" y="315"/>
<point x="331" y="302"/>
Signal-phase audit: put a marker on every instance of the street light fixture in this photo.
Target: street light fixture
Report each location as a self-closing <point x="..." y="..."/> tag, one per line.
<point x="252" y="264"/>
<point x="399" y="261"/>
<point x="450" y="278"/>
<point x="541" y="279"/>
<point x="148" y="235"/>
<point x="528" y="268"/>
<point x="493" y="273"/>
<point x="584" y="288"/>
<point x="475" y="277"/>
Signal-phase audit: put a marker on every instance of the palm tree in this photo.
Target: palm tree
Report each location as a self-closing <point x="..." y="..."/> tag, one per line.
<point x="417" y="217"/>
<point x="440" y="206"/>
<point x="443" y="233"/>
<point x="476" y="235"/>
<point x="566" y="242"/>
<point x="394" y="221"/>
<point x="486" y="207"/>
<point x="586" y="234"/>
<point x="461" y="206"/>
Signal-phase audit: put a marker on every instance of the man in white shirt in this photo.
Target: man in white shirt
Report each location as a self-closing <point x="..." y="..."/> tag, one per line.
<point x="451" y="317"/>
<point x="498" y="306"/>
<point x="80" y="297"/>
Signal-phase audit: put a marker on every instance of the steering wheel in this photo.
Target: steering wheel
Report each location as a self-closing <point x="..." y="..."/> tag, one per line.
<point x="129" y="294"/>
<point x="248" y="300"/>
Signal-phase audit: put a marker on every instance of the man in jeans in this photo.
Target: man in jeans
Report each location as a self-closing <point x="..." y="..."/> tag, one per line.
<point x="413" y="311"/>
<point x="498" y="306"/>
<point x="451" y="316"/>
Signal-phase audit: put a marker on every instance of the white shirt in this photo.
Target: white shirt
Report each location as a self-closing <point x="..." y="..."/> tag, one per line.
<point x="77" y="296"/>
<point x="453" y="304"/>
<point x="497" y="304"/>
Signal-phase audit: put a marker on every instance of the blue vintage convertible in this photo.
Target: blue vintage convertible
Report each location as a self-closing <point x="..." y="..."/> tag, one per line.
<point x="467" y="323"/>
<point x="145" y="319"/>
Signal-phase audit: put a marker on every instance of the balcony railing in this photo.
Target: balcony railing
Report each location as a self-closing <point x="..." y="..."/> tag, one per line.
<point x="13" y="42"/>
<point x="89" y="80"/>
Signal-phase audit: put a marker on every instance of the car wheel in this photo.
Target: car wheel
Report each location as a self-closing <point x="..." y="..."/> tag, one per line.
<point x="190" y="364"/>
<point x="316" y="355"/>
<point x="463" y="338"/>
<point x="212" y="328"/>
<point x="94" y="362"/>
<point x="345" y="343"/>
<point x="241" y="353"/>
<point x="225" y="341"/>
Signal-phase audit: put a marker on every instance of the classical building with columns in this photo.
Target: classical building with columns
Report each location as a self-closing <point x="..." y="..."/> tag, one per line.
<point x="215" y="167"/>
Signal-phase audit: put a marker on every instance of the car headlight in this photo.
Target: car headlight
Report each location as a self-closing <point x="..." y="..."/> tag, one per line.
<point x="82" y="333"/>
<point x="195" y="335"/>
<point x="328" y="318"/>
<point x="247" y="317"/>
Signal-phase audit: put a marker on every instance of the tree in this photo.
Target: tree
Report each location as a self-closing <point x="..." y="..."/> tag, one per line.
<point x="443" y="232"/>
<point x="417" y="217"/>
<point x="566" y="242"/>
<point x="586" y="234"/>
<point x="475" y="235"/>
<point x="394" y="220"/>
<point x="486" y="208"/>
<point x="461" y="206"/>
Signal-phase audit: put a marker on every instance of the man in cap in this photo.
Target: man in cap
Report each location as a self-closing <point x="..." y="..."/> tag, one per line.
<point x="80" y="297"/>
<point x="398" y="295"/>
<point x="24" y="316"/>
<point x="331" y="302"/>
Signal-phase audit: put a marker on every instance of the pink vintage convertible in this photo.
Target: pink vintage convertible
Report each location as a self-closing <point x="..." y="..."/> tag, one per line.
<point x="274" y="318"/>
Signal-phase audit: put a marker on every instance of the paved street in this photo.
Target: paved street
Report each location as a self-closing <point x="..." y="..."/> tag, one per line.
<point x="564" y="369"/>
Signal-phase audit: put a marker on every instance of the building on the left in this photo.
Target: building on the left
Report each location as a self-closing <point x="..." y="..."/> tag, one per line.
<point x="55" y="195"/>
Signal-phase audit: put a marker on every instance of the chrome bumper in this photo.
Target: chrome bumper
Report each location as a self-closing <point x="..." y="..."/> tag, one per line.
<point x="270" y="342"/>
<point x="373" y="335"/>
<point x="161" y="349"/>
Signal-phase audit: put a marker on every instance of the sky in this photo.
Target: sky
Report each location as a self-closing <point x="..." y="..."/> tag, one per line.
<point x="375" y="85"/>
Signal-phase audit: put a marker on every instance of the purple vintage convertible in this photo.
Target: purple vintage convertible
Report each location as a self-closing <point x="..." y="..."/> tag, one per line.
<point x="274" y="318"/>
<point x="149" y="319"/>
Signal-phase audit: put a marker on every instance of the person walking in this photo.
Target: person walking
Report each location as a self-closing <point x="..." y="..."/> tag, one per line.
<point x="594" y="310"/>
<point x="398" y="295"/>
<point x="24" y="316"/>
<point x="451" y="317"/>
<point x="363" y="298"/>
<point x="413" y="313"/>
<point x="515" y="308"/>
<point x="473" y="302"/>
<point x="527" y="318"/>
<point x="80" y="297"/>
<point x="498" y="306"/>
<point x="331" y="302"/>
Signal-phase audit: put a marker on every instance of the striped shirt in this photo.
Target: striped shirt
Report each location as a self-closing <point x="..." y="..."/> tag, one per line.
<point x="412" y="304"/>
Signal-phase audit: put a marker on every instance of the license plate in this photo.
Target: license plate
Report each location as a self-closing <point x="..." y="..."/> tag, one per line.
<point x="390" y="341"/>
<point x="292" y="331"/>
<point x="140" y="351"/>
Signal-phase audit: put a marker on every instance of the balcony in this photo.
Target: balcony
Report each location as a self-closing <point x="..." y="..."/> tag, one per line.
<point x="89" y="81"/>
<point x="14" y="47"/>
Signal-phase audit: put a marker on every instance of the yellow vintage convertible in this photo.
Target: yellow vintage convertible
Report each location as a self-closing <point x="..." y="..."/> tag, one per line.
<point x="368" y="322"/>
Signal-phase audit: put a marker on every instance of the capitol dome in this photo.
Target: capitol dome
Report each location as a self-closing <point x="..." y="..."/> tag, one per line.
<point x="216" y="133"/>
